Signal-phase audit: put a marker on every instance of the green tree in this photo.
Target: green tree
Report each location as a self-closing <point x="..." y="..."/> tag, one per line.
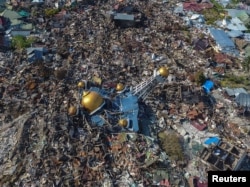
<point x="49" y="12"/>
<point x="246" y="64"/>
<point x="171" y="144"/>
<point x="20" y="42"/>
<point x="199" y="77"/>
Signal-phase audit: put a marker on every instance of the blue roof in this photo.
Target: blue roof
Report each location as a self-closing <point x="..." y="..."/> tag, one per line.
<point x="96" y="119"/>
<point x="221" y="38"/>
<point x="235" y="33"/>
<point x="212" y="140"/>
<point x="223" y="41"/>
<point x="130" y="108"/>
<point x="35" y="55"/>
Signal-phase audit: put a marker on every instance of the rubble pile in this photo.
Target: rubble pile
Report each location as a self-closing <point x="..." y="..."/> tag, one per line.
<point x="43" y="143"/>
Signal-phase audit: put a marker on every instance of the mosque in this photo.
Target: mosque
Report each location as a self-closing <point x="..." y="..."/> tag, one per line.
<point x="119" y="106"/>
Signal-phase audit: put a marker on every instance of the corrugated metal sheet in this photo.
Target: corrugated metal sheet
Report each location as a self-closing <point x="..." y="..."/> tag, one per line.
<point x="247" y="37"/>
<point x="221" y="38"/>
<point x="224" y="43"/>
<point x="234" y="34"/>
<point x="236" y="24"/>
<point x="235" y="91"/>
<point x="241" y="14"/>
<point x="31" y="49"/>
<point x="20" y="32"/>
<point x="243" y="99"/>
<point x="120" y="16"/>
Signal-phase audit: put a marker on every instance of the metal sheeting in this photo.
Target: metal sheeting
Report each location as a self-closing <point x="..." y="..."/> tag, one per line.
<point x="235" y="91"/>
<point x="243" y="99"/>
<point x="222" y="38"/>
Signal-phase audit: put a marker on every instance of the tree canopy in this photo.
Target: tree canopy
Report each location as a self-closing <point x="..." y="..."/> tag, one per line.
<point x="20" y="42"/>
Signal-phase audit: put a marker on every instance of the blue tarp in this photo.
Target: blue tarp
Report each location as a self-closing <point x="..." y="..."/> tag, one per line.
<point x="212" y="140"/>
<point x="207" y="86"/>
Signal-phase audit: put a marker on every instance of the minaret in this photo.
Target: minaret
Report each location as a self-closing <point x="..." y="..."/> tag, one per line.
<point x="143" y="89"/>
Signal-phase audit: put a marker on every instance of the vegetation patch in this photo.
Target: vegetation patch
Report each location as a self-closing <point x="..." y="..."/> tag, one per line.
<point x="21" y="42"/>
<point x="213" y="14"/>
<point x="50" y="12"/>
<point x="235" y="81"/>
<point x="171" y="144"/>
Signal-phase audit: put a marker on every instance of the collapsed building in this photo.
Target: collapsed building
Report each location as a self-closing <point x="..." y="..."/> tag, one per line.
<point x="127" y="16"/>
<point x="224" y="157"/>
<point x="119" y="106"/>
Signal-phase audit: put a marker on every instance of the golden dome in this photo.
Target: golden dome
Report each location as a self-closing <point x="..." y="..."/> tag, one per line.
<point x="72" y="110"/>
<point x="163" y="71"/>
<point x="123" y="122"/>
<point x="119" y="87"/>
<point x="91" y="101"/>
<point x="81" y="84"/>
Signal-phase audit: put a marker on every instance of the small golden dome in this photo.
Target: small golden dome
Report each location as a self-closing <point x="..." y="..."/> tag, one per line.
<point x="81" y="84"/>
<point x="91" y="101"/>
<point x="163" y="71"/>
<point x="123" y="122"/>
<point x="119" y="87"/>
<point x="72" y="110"/>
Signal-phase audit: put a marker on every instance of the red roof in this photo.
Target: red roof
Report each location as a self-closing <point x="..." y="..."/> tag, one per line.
<point x="197" y="7"/>
<point x="199" y="126"/>
<point x="198" y="183"/>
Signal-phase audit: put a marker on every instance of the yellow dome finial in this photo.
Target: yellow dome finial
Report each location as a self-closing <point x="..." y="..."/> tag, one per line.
<point x="119" y="87"/>
<point x="123" y="122"/>
<point x="163" y="71"/>
<point x="72" y="110"/>
<point x="81" y="84"/>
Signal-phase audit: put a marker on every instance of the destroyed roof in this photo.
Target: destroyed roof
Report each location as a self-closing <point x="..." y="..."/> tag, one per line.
<point x="236" y="24"/>
<point x="221" y="38"/>
<point x="235" y="33"/>
<point x="31" y="49"/>
<point x="197" y="7"/>
<point x="243" y="99"/>
<point x="223" y="41"/>
<point x="10" y="14"/>
<point x="120" y="16"/>
<point x="235" y="91"/>
<point x="241" y="14"/>
<point x="20" y="32"/>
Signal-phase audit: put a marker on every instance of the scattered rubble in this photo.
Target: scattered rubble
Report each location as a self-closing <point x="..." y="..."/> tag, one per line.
<point x="68" y="54"/>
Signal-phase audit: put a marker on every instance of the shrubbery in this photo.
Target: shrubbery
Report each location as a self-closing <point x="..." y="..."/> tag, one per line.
<point x="171" y="144"/>
<point x="20" y="42"/>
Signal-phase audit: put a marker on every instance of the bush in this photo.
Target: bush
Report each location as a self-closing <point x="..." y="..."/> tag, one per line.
<point x="234" y="81"/>
<point x="199" y="78"/>
<point x="171" y="144"/>
<point x="49" y="12"/>
<point x="20" y="42"/>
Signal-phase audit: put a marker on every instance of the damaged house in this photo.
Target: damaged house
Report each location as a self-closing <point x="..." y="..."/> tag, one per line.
<point x="223" y="42"/>
<point x="224" y="156"/>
